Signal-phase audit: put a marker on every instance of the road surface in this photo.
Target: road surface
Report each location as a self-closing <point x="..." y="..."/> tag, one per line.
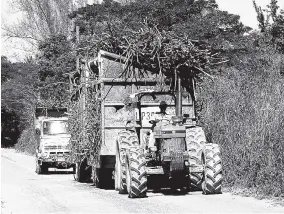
<point x="23" y="191"/>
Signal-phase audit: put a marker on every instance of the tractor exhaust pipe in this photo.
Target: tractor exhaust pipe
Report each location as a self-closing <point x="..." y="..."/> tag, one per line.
<point x="178" y="98"/>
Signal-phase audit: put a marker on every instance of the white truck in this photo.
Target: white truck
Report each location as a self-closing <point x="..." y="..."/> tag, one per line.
<point x="52" y="140"/>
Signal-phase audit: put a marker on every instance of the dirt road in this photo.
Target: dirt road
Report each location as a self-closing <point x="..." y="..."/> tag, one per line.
<point x="23" y="191"/>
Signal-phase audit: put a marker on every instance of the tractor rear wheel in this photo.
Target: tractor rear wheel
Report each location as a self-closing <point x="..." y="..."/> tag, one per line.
<point x="195" y="141"/>
<point x="125" y="140"/>
<point x="212" y="169"/>
<point x="136" y="176"/>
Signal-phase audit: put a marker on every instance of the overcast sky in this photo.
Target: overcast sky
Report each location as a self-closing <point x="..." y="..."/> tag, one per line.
<point x="14" y="49"/>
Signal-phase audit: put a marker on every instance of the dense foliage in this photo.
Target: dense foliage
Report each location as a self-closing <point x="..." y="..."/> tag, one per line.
<point x="166" y="37"/>
<point x="56" y="60"/>
<point x="17" y="99"/>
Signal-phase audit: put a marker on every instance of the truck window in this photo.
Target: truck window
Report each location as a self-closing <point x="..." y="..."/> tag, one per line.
<point x="55" y="127"/>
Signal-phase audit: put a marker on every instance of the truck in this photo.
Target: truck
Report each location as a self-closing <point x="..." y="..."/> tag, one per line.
<point x="51" y="127"/>
<point x="139" y="148"/>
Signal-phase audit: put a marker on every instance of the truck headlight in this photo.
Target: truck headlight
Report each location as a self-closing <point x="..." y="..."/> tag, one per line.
<point x="45" y="154"/>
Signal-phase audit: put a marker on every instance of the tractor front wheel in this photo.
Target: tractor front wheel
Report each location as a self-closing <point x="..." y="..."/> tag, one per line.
<point x="136" y="176"/>
<point x="125" y="140"/>
<point x="212" y="169"/>
<point x="195" y="141"/>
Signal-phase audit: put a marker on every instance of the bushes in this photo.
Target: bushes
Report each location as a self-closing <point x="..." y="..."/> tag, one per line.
<point x="244" y="113"/>
<point x="27" y="142"/>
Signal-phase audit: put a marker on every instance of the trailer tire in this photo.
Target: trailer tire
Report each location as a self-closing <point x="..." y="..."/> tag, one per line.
<point x="125" y="139"/>
<point x="76" y="172"/>
<point x="136" y="176"/>
<point x="212" y="169"/>
<point x="195" y="141"/>
<point x="83" y="172"/>
<point x="120" y="181"/>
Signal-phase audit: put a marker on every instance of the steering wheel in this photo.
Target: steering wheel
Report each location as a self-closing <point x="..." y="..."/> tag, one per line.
<point x="153" y="121"/>
<point x="158" y="120"/>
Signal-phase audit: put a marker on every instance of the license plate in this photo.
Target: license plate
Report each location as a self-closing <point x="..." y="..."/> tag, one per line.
<point x="150" y="113"/>
<point x="60" y="159"/>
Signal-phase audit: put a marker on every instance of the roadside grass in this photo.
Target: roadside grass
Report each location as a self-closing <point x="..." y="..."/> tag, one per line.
<point x="243" y="111"/>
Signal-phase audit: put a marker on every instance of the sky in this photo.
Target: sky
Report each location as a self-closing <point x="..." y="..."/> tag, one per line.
<point x="245" y="9"/>
<point x="15" y="49"/>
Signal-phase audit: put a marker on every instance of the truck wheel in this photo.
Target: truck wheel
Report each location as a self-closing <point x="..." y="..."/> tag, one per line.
<point x="136" y="176"/>
<point x="212" y="169"/>
<point x="125" y="140"/>
<point x="44" y="168"/>
<point x="39" y="169"/>
<point x="195" y="141"/>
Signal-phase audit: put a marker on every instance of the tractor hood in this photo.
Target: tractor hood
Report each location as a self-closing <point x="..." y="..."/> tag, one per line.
<point x="169" y="131"/>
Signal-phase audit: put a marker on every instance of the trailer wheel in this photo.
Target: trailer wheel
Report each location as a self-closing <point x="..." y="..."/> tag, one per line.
<point x="212" y="169"/>
<point x="120" y="177"/>
<point x="83" y="172"/>
<point x="136" y="176"/>
<point x="76" y="172"/>
<point x="195" y="140"/>
<point x="125" y="139"/>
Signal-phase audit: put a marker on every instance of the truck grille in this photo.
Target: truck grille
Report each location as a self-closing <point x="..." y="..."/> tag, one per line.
<point x="54" y="147"/>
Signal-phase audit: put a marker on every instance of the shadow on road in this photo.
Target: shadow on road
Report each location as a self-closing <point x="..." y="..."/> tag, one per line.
<point x="59" y="172"/>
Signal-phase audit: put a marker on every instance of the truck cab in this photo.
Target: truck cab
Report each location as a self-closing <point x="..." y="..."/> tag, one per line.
<point x="52" y="144"/>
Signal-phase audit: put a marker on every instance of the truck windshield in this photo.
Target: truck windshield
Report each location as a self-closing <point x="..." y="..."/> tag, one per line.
<point x="55" y="127"/>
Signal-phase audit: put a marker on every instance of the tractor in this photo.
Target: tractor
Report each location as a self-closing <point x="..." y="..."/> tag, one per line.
<point x="174" y="153"/>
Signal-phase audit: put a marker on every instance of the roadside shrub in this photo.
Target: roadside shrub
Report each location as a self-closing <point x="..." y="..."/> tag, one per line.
<point x="244" y="113"/>
<point x="27" y="142"/>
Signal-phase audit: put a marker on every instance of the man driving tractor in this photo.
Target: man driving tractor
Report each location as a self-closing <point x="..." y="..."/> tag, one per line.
<point x="160" y="119"/>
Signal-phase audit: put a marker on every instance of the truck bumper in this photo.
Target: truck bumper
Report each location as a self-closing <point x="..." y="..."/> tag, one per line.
<point x="56" y="162"/>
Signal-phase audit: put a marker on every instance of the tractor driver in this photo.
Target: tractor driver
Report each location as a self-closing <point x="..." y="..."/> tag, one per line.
<point x="161" y="118"/>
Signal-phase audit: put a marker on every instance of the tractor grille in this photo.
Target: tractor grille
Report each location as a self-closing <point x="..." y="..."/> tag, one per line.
<point x="173" y="132"/>
<point x="177" y="161"/>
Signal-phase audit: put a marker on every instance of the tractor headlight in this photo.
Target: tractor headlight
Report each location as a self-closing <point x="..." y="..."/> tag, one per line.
<point x="186" y="163"/>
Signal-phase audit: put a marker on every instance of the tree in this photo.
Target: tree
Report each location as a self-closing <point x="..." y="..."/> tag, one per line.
<point x="271" y="24"/>
<point x="7" y="71"/>
<point x="40" y="19"/>
<point x="18" y="98"/>
<point x="56" y="60"/>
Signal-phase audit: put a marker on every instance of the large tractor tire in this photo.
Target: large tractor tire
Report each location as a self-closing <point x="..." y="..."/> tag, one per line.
<point x="195" y="141"/>
<point x="212" y="169"/>
<point x="136" y="176"/>
<point x="125" y="140"/>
